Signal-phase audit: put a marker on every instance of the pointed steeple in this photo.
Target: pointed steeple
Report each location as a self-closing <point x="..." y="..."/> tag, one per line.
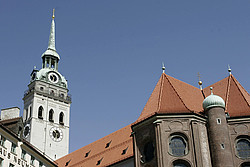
<point x="172" y="96"/>
<point x="50" y="56"/>
<point x="237" y="99"/>
<point x="52" y="42"/>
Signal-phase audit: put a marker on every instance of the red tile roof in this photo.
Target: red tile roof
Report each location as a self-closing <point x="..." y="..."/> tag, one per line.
<point x="236" y="98"/>
<point x="120" y="142"/>
<point x="172" y="96"/>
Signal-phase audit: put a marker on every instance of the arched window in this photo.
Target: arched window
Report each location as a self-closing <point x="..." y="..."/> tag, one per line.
<point x="61" y="118"/>
<point x="178" y="145"/>
<point x="243" y="147"/>
<point x="246" y="164"/>
<point x="51" y="114"/>
<point x="52" y="92"/>
<point x="40" y="112"/>
<point x="27" y="114"/>
<point x="30" y="111"/>
<point x="149" y="151"/>
<point x="181" y="163"/>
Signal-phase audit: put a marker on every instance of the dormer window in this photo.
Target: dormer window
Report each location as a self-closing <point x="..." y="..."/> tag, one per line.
<point x="87" y="154"/>
<point x="67" y="163"/>
<point x="124" y="151"/>
<point x="108" y="144"/>
<point x="99" y="161"/>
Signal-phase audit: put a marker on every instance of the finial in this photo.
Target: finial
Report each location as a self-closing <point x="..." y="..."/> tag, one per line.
<point x="34" y="67"/>
<point x="200" y="82"/>
<point x="211" y="89"/>
<point x="163" y="67"/>
<point x="229" y="70"/>
<point x="52" y="42"/>
<point x="53" y="16"/>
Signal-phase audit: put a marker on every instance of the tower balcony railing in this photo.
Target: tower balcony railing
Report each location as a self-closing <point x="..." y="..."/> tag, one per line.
<point x="49" y="93"/>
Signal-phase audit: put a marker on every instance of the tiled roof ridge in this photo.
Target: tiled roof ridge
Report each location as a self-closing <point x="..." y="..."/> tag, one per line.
<point x="238" y="83"/>
<point x="227" y="93"/>
<point x="100" y="153"/>
<point x="147" y="102"/>
<point x="160" y="93"/>
<point x="177" y="92"/>
<point x="98" y="140"/>
<point x="240" y="90"/>
<point x="143" y="118"/>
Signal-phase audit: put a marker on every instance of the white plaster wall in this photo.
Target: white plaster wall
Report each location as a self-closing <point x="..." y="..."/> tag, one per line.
<point x="40" y="129"/>
<point x="15" y="158"/>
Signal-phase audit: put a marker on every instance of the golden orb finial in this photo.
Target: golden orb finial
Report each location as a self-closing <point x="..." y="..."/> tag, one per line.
<point x="53" y="16"/>
<point x="200" y="82"/>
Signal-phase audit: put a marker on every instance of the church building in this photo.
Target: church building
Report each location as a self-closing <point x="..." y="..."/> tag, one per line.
<point x="180" y="125"/>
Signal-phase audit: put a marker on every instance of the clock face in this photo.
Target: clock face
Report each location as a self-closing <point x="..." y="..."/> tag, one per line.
<point x="53" y="77"/>
<point x="26" y="130"/>
<point x="56" y="134"/>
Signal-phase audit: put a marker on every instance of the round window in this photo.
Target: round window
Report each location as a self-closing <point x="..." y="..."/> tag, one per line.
<point x="243" y="148"/>
<point x="178" y="146"/>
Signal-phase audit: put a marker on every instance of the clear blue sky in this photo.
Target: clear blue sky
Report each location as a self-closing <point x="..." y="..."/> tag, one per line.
<point x="111" y="52"/>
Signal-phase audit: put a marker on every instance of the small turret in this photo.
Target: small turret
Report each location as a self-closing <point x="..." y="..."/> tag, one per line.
<point x="213" y="101"/>
<point x="219" y="140"/>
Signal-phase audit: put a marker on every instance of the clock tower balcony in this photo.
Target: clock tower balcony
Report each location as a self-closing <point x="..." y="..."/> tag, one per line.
<point x="48" y="93"/>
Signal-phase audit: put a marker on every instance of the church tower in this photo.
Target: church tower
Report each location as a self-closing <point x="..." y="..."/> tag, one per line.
<point x="47" y="105"/>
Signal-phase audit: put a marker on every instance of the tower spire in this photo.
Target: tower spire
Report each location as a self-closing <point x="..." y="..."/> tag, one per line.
<point x="52" y="41"/>
<point x="50" y="56"/>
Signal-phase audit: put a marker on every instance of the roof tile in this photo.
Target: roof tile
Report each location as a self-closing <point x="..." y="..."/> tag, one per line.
<point x="236" y="98"/>
<point x="121" y="140"/>
<point x="172" y="96"/>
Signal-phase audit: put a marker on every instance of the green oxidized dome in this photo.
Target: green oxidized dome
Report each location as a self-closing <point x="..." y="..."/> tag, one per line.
<point x="43" y="75"/>
<point x="213" y="101"/>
